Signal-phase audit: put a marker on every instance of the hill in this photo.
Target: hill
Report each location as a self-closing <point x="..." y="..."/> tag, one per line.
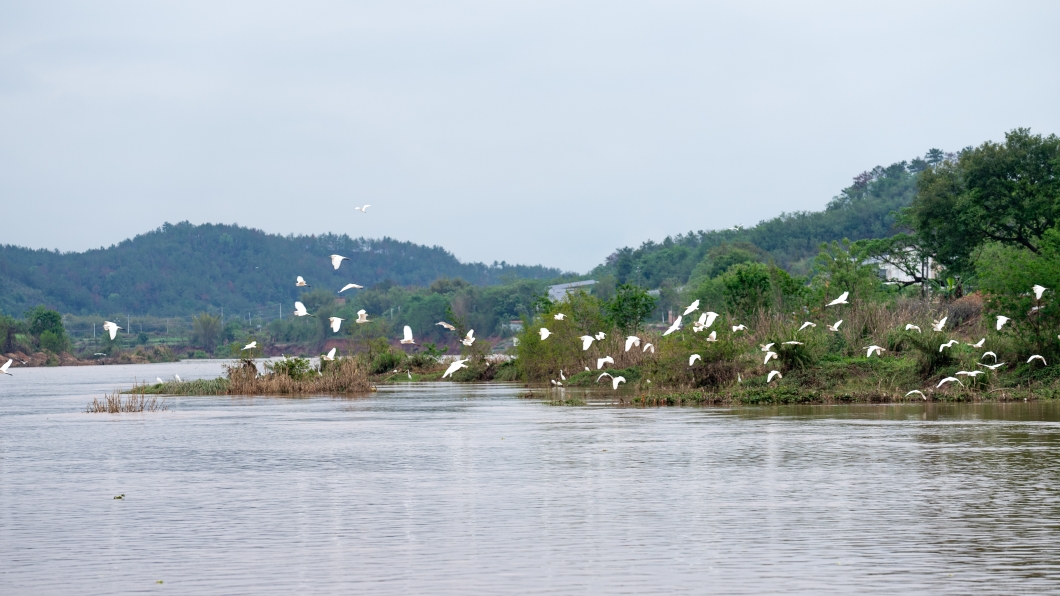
<point x="181" y="269"/>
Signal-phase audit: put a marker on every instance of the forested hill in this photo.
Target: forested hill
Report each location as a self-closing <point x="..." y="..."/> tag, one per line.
<point x="863" y="210"/>
<point x="181" y="269"/>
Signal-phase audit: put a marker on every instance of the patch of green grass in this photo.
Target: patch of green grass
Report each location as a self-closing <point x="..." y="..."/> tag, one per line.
<point x="573" y="401"/>
<point x="218" y="386"/>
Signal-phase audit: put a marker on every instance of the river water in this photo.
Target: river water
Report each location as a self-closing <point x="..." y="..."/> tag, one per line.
<point x="443" y="488"/>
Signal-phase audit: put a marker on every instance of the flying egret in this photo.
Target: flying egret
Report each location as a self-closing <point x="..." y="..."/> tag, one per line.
<point x="250" y="346"/>
<point x="1038" y="291"/>
<point x="692" y="308"/>
<point x="1001" y="320"/>
<point x="631" y="341"/>
<point x="446" y="325"/>
<point x="300" y="311"/>
<point x="559" y="316"/>
<point x="841" y="300"/>
<point x="939" y="324"/>
<point x="1037" y="357"/>
<point x="587" y="340"/>
<point x="968" y="373"/>
<point x="408" y="336"/>
<point x="362" y="209"/>
<point x="648" y="347"/>
<point x="349" y="286"/>
<point x="767" y="347"/>
<point x="700" y="324"/>
<point x="768" y="356"/>
<point x="335" y="323"/>
<point x="910" y="327"/>
<point x="985" y="354"/>
<point x="874" y="348"/>
<point x="977" y="344"/>
<point x="362" y="316"/>
<point x="693" y="358"/>
<point x="993" y="366"/>
<point x="330" y="355"/>
<point x="455" y="366"/>
<point x="7" y="365"/>
<point x="544" y="333"/>
<point x="469" y="338"/>
<point x="740" y="327"/>
<point x="675" y="327"/>
<point x="600" y="335"/>
<point x="112" y="328"/>
<point x="773" y="373"/>
<point x="918" y="392"/>
<point x="949" y="380"/>
<point x="615" y="381"/>
<point x="805" y="325"/>
<point x="337" y="260"/>
<point x="600" y="362"/>
<point x="602" y="375"/>
<point x="793" y="343"/>
<point x="711" y="315"/>
<point x="300" y="283"/>
<point x="948" y="344"/>
<point x="712" y="337"/>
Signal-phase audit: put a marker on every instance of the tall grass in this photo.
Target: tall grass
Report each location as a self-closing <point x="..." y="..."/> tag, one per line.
<point x="344" y="375"/>
<point x="115" y="403"/>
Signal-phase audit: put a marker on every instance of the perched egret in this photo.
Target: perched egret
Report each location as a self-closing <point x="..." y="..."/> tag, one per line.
<point x="675" y="327"/>
<point x="631" y="341"/>
<point x="1037" y="357"/>
<point x="793" y="343"/>
<point x="918" y="392"/>
<point x="300" y="311"/>
<point x="362" y="209"/>
<point x="985" y="354"/>
<point x="559" y="316"/>
<point x="773" y="373"/>
<point x="300" y="283"/>
<point x="112" y="328"/>
<point x="554" y="382"/>
<point x="874" y="348"/>
<point x="993" y="366"/>
<point x="177" y="377"/>
<point x="350" y="286"/>
<point x="330" y="355"/>
<point x="7" y="365"/>
<point x="335" y="323"/>
<point x="1001" y="320"/>
<point x="805" y="325"/>
<point x="544" y="333"/>
<point x="648" y="347"/>
<point x="337" y="260"/>
<point x="587" y="340"/>
<point x="841" y="300"/>
<point x="693" y="358"/>
<point x="948" y="344"/>
<point x="939" y="324"/>
<point x="600" y="335"/>
<point x="455" y="366"/>
<point x="469" y="338"/>
<point x="408" y="336"/>
<point x="740" y="327"/>
<point x="250" y="346"/>
<point x="561" y="377"/>
<point x="769" y="355"/>
<point x="159" y="379"/>
<point x="362" y="316"/>
<point x="910" y="327"/>
<point x="1038" y="291"/>
<point x="692" y="308"/>
<point x="448" y="326"/>
<point x="949" y="380"/>
<point x="615" y="381"/>
<point x="767" y="347"/>
<point x="978" y="344"/>
<point x="600" y="362"/>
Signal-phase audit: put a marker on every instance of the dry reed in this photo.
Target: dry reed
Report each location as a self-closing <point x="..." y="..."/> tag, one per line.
<point x="344" y="375"/>
<point x="114" y="403"/>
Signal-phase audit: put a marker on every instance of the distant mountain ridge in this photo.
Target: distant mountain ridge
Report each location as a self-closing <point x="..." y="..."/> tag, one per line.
<point x="180" y="269"/>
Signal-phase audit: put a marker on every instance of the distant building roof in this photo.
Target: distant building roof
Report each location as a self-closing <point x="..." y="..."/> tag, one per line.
<point x="559" y="291"/>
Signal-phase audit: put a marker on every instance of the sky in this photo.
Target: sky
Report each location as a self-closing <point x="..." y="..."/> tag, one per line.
<point x="529" y="132"/>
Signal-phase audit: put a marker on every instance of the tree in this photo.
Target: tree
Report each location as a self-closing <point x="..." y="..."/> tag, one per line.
<point x="47" y="326"/>
<point x="206" y="330"/>
<point x="629" y="307"/>
<point x="998" y="192"/>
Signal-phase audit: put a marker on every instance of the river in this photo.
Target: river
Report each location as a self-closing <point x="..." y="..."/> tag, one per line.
<point x="457" y="489"/>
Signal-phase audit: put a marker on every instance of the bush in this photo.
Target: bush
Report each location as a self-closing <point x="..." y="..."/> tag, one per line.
<point x="54" y="342"/>
<point x="297" y="369"/>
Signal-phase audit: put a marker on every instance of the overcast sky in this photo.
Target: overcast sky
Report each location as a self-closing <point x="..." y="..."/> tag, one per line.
<point x="531" y="132"/>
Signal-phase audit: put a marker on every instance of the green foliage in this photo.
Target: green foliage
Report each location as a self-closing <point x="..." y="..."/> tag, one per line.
<point x="629" y="307"/>
<point x="543" y="359"/>
<point x="749" y="288"/>
<point x="54" y="342"/>
<point x="47" y="326"/>
<point x="297" y="369"/>
<point x="206" y="331"/>
<point x="841" y="267"/>
<point x="9" y="328"/>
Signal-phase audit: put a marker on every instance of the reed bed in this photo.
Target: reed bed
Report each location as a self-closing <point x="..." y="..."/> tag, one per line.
<point x="217" y="386"/>
<point x="115" y="403"/>
<point x="344" y="375"/>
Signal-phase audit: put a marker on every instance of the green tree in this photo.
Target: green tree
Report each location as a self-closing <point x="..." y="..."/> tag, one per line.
<point x="748" y="288"/>
<point x="47" y="326"/>
<point x="841" y="267"/>
<point x="629" y="307"/>
<point x="206" y="331"/>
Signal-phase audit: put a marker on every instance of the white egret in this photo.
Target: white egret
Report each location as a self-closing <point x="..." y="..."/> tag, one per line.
<point x="949" y="380"/>
<point x="767" y="347"/>
<point x="300" y="283"/>
<point x="554" y="382"/>
<point x="469" y="338"/>
<point x="918" y="392"/>
<point x="968" y="373"/>
<point x="350" y="286"/>
<point x="805" y="325"/>
<point x="939" y="324"/>
<point x="693" y="358"/>
<point x="362" y="209"/>
<point x="874" y="348"/>
<point x="985" y="354"/>
<point x="631" y="341"/>
<point x="446" y="325"/>
<point x="737" y="227"/>
<point x="841" y="300"/>
<point x="330" y="355"/>
<point x="1001" y="320"/>
<point x="600" y="335"/>
<point x="561" y="377"/>
<point x="1037" y="357"/>
<point x="177" y="377"/>
<point x="7" y="365"/>
<point x="587" y="340"/>
<point x="250" y="346"/>
<point x="977" y="344"/>
<point x="602" y="375"/>
<point x="948" y="344"/>
<point x="740" y="327"/>
<point x="910" y="327"/>
<point x="1038" y="291"/>
<point x="993" y="366"/>
<point x="559" y="316"/>
<point x="337" y="260"/>
<point x="300" y="311"/>
<point x="408" y="336"/>
<point x="600" y="362"/>
<point x="773" y="373"/>
<point x="615" y="381"/>
<point x="700" y="324"/>
<point x="713" y="336"/>
<point x="159" y="379"/>
<point x="335" y="323"/>
<point x="544" y="333"/>
<point x="648" y="347"/>
<point x="711" y="315"/>
<point x="793" y="343"/>
<point x="112" y="328"/>
<point x="675" y="327"/>
<point x="692" y="308"/>
<point x="769" y="355"/>
<point x="455" y="366"/>
<point x="362" y="316"/>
